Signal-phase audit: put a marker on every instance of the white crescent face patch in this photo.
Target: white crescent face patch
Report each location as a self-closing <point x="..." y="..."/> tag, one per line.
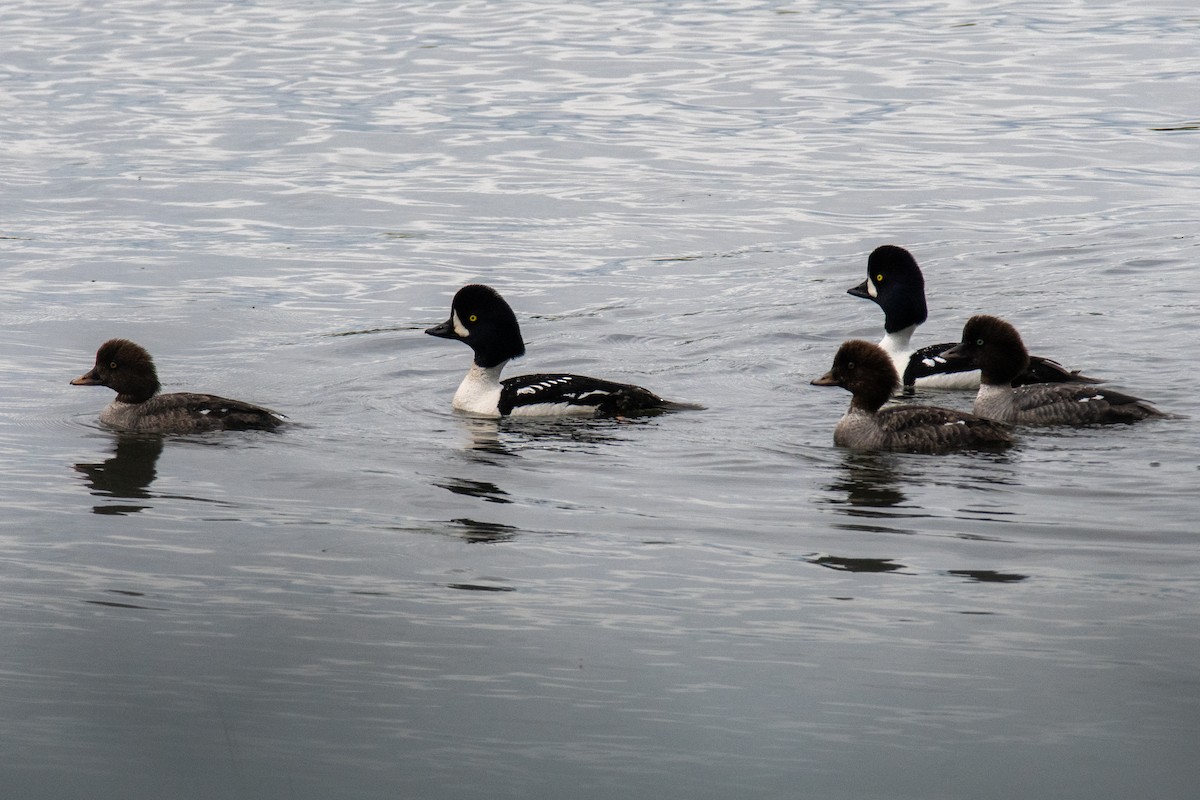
<point x="461" y="331"/>
<point x="871" y="290"/>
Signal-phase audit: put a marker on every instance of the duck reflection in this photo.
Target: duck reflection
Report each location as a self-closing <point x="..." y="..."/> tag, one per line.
<point x="483" y="437"/>
<point x="508" y="436"/>
<point x="477" y="532"/>
<point x="870" y="483"/>
<point x="987" y="575"/>
<point x="844" y="564"/>
<point x="128" y="473"/>
<point x="484" y="490"/>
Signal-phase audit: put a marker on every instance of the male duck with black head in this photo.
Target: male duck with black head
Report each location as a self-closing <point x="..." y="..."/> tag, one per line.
<point x="128" y="369"/>
<point x="867" y="372"/>
<point x="482" y="319"/>
<point x="895" y="283"/>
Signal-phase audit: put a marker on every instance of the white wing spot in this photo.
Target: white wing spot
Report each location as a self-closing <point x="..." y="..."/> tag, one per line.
<point x="542" y="386"/>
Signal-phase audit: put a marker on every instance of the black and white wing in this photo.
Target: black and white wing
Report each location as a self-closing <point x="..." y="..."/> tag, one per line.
<point x="931" y="361"/>
<point x="544" y="395"/>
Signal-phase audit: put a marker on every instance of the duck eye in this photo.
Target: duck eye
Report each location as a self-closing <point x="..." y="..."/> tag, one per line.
<point x="879" y="277"/>
<point x="112" y="365"/>
<point x="849" y="365"/>
<point x="473" y="318"/>
<point x="979" y="342"/>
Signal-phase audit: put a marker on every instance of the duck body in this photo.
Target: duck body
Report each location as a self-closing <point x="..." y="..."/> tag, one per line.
<point x="895" y="282"/>
<point x="917" y="429"/>
<point x="996" y="347"/>
<point x="187" y="412"/>
<point x="482" y="393"/>
<point x="128" y="369"/>
<point x="482" y="319"/>
<point x="868" y="373"/>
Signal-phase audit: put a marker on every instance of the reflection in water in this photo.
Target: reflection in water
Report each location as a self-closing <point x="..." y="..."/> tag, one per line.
<point x="484" y="436"/>
<point x="856" y="564"/>
<point x="508" y="436"/>
<point x="484" y="490"/>
<point x="988" y="576"/>
<point x="128" y="473"/>
<point x="118" y="604"/>
<point x="479" y="587"/>
<point x="488" y="438"/>
<point x="869" y="481"/>
<point x="475" y="531"/>
<point x="872" y="485"/>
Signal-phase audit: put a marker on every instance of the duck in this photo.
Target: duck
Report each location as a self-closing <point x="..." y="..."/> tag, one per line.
<point x="895" y="283"/>
<point x="868" y="372"/>
<point x="128" y="369"/>
<point x="996" y="348"/>
<point x="483" y="319"/>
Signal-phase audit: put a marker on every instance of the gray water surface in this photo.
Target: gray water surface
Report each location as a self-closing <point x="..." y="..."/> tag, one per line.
<point x="389" y="600"/>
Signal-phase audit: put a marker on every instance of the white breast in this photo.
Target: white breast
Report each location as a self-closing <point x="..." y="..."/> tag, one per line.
<point x="479" y="392"/>
<point x="897" y="347"/>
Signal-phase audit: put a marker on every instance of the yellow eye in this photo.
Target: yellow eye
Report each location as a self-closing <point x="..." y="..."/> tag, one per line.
<point x="473" y="318"/>
<point x="879" y="277"/>
<point x="112" y="365"/>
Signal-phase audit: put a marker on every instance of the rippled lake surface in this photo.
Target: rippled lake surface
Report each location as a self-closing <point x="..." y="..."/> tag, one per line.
<point x="389" y="600"/>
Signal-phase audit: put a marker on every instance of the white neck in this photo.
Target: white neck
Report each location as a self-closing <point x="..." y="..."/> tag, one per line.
<point x="896" y="344"/>
<point x="479" y="392"/>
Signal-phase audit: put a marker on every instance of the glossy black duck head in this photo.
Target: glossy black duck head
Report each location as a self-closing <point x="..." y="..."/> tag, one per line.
<point x="895" y="282"/>
<point x="480" y="317"/>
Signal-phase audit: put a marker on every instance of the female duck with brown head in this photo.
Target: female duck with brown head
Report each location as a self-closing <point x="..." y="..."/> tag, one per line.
<point x="996" y="348"/>
<point x="128" y="369"/>
<point x="867" y="372"/>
